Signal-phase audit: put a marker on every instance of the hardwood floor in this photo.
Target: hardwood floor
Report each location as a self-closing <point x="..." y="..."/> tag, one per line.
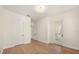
<point x="69" y="51"/>
<point x="37" y="47"/>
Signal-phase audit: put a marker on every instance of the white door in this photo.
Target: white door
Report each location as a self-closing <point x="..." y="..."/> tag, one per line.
<point x="23" y="30"/>
<point x="59" y="33"/>
<point x="19" y="31"/>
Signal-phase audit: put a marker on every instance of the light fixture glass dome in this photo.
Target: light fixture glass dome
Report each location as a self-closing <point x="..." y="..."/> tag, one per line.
<point x="40" y="9"/>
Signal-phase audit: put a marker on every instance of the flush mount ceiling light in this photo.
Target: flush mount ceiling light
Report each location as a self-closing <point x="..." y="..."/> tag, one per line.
<point x="40" y="8"/>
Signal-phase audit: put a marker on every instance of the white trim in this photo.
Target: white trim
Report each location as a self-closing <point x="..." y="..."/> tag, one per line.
<point x="15" y="45"/>
<point x="9" y="46"/>
<point x="72" y="47"/>
<point x="42" y="41"/>
<point x="67" y="45"/>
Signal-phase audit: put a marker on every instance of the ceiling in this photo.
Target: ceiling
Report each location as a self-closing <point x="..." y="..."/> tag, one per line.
<point x="30" y="9"/>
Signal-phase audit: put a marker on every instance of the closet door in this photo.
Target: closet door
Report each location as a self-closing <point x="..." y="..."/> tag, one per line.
<point x="22" y="30"/>
<point x="13" y="29"/>
<point x="19" y="30"/>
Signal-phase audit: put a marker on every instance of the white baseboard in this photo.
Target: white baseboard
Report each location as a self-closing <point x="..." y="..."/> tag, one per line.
<point x="9" y="46"/>
<point x="72" y="47"/>
<point x="68" y="46"/>
<point x="43" y="41"/>
<point x="27" y="42"/>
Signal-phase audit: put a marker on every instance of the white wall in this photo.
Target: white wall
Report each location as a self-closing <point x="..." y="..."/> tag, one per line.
<point x="71" y="29"/>
<point x="16" y="29"/>
<point x="34" y="29"/>
<point x="51" y="30"/>
<point x="1" y="29"/>
<point x="70" y="20"/>
<point x="42" y="30"/>
<point x="46" y="29"/>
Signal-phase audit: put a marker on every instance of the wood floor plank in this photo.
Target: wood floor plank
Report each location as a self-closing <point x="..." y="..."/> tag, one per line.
<point x="37" y="47"/>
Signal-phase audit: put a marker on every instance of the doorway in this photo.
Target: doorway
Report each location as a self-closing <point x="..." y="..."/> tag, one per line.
<point x="59" y="31"/>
